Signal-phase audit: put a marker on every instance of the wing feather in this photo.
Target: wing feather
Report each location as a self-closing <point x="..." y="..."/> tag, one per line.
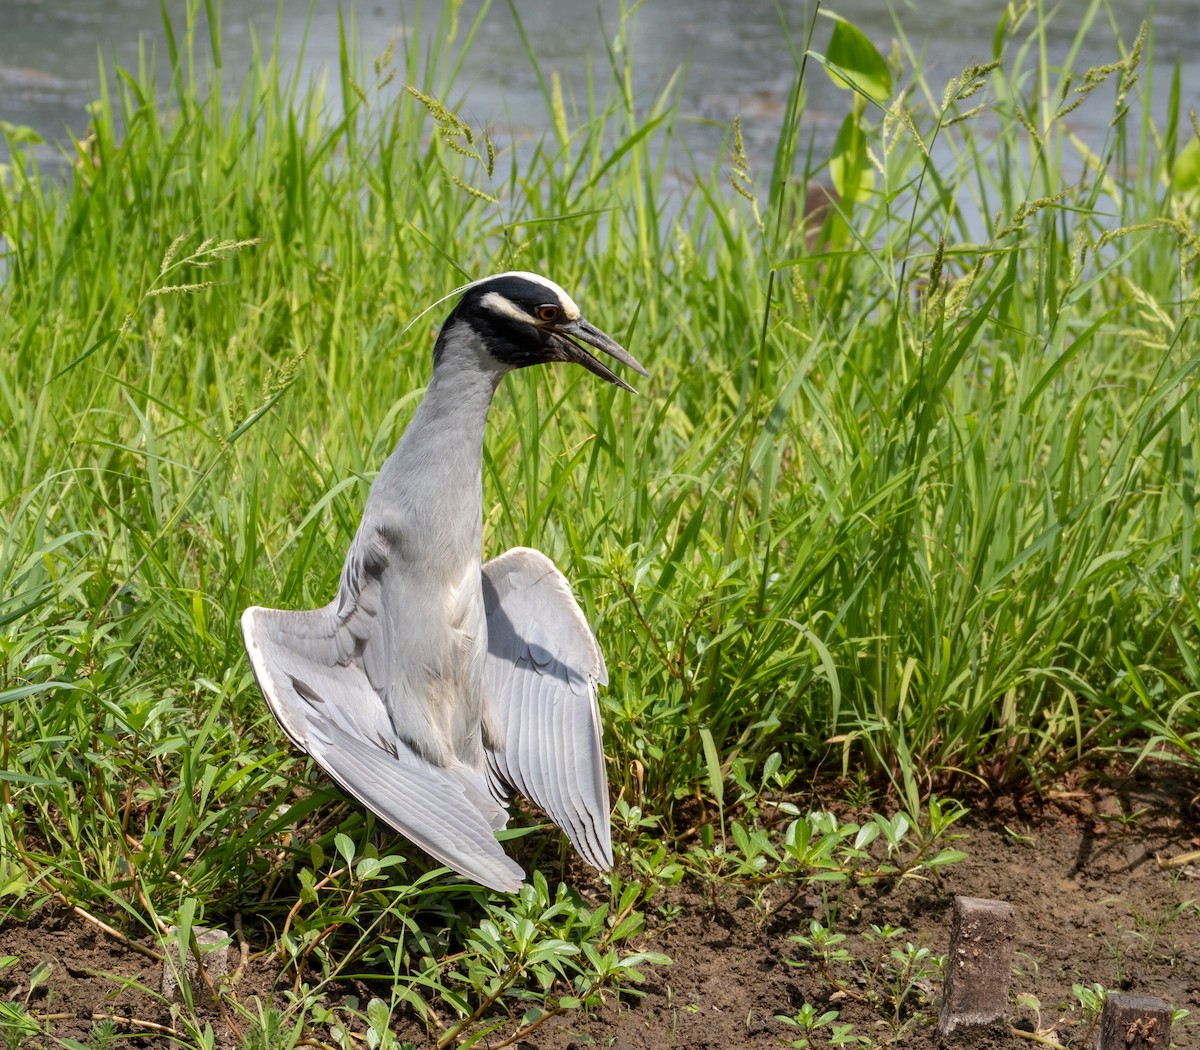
<point x="543" y="666"/>
<point x="310" y="668"/>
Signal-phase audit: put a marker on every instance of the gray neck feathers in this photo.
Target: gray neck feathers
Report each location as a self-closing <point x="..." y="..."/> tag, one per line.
<point x="431" y="485"/>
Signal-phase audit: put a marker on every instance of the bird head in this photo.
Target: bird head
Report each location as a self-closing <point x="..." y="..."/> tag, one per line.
<point x="524" y="319"/>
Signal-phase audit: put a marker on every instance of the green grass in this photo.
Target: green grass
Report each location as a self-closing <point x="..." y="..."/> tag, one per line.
<point x="911" y="491"/>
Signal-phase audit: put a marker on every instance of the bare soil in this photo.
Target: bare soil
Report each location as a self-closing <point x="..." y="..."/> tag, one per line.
<point x="1081" y="867"/>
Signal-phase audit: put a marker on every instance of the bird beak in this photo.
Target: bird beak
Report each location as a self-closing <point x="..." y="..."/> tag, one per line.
<point x="565" y="339"/>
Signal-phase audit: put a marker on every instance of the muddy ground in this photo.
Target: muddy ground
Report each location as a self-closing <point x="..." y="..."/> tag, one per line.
<point x="1082" y="867"/>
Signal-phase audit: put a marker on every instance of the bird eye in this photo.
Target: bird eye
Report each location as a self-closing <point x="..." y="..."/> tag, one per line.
<point x="547" y="313"/>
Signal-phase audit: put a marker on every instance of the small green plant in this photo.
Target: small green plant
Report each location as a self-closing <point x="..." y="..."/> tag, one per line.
<point x="1127" y="818"/>
<point x="17" y="1025"/>
<point x="820" y="846"/>
<point x="1156" y="931"/>
<point x="765" y="791"/>
<point x="901" y="981"/>
<point x="892" y="975"/>
<point x="1089" y="1000"/>
<point x="1150" y="935"/>
<point x="826" y="949"/>
<point x="17" y="1022"/>
<point x="816" y="845"/>
<point x="530" y="958"/>
<point x="1044" y="1034"/>
<point x="1021" y="838"/>
<point x="860" y="793"/>
<point x="820" y="1029"/>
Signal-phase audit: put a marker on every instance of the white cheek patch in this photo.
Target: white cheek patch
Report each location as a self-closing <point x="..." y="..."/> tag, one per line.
<point x="498" y="304"/>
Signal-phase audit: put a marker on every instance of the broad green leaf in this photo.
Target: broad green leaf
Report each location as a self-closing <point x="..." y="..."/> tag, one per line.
<point x="866" y="835"/>
<point x="378" y="1014"/>
<point x="1187" y="166"/>
<point x="367" y="868"/>
<point x="947" y="856"/>
<point x="716" y="781"/>
<point x="851" y="172"/>
<point x="39" y="974"/>
<point x="628" y="926"/>
<point x="7" y="696"/>
<point x="307" y="881"/>
<point x="855" y="56"/>
<point x="653" y="958"/>
<point x="20" y="134"/>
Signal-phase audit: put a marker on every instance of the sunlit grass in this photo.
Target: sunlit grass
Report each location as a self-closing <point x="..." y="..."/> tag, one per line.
<point x="911" y="489"/>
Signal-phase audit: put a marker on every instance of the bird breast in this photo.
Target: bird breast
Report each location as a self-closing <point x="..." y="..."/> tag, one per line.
<point x="436" y="692"/>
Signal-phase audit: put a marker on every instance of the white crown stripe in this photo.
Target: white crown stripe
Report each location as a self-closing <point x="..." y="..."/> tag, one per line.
<point x="567" y="303"/>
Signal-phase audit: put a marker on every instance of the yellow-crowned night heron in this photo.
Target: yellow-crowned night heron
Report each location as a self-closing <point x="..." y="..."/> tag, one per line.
<point x="434" y="685"/>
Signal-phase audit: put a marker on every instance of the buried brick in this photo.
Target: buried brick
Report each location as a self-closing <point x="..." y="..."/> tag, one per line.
<point x="214" y="950"/>
<point x="979" y="964"/>
<point x="1135" y="1022"/>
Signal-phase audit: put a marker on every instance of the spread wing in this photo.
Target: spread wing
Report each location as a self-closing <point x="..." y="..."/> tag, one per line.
<point x="543" y="666"/>
<point x="319" y="672"/>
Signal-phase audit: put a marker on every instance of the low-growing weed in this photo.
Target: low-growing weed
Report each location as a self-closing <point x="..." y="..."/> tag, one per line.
<point x="821" y="1028"/>
<point x="879" y="968"/>
<point x="820" y="846"/>
<point x="528" y="959"/>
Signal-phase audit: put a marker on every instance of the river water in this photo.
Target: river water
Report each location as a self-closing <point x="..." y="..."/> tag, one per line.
<point x="733" y="52"/>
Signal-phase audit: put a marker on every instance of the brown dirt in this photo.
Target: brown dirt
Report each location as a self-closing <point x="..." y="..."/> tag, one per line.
<point x="1093" y="905"/>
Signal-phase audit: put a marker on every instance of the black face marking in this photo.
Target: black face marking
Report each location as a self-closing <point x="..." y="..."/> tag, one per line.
<point x="511" y="341"/>
<point x="518" y="342"/>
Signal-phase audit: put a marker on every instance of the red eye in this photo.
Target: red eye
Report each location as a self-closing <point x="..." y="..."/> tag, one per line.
<point x="547" y="313"/>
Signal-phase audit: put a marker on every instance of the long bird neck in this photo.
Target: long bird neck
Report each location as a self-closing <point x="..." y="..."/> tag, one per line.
<point x="435" y="474"/>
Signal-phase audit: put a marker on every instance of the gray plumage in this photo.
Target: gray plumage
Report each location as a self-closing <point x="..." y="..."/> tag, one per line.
<point x="433" y="685"/>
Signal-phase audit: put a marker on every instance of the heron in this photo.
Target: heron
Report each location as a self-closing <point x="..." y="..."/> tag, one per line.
<point x="435" y="685"/>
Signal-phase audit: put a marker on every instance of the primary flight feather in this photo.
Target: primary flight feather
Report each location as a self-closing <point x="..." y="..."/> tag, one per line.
<point x="435" y="685"/>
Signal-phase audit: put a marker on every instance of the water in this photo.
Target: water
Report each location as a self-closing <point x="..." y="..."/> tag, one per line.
<point x="733" y="51"/>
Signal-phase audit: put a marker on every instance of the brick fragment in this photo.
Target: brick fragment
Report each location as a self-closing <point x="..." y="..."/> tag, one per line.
<point x="214" y="950"/>
<point x="1135" y="1022"/>
<point x="979" y="964"/>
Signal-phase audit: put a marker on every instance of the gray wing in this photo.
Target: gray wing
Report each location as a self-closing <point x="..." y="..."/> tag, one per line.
<point x="313" y="669"/>
<point x="543" y="666"/>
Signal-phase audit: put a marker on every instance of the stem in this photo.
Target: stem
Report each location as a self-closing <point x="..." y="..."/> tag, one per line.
<point x="522" y="1033"/>
<point x="120" y="1019"/>
<point x="505" y="982"/>
<point x="287" y="923"/>
<point x="217" y="997"/>
<point x="87" y="916"/>
<point x="1037" y="1037"/>
<point x="637" y="612"/>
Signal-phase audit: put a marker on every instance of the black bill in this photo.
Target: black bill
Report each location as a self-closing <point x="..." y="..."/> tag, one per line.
<point x="565" y="339"/>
